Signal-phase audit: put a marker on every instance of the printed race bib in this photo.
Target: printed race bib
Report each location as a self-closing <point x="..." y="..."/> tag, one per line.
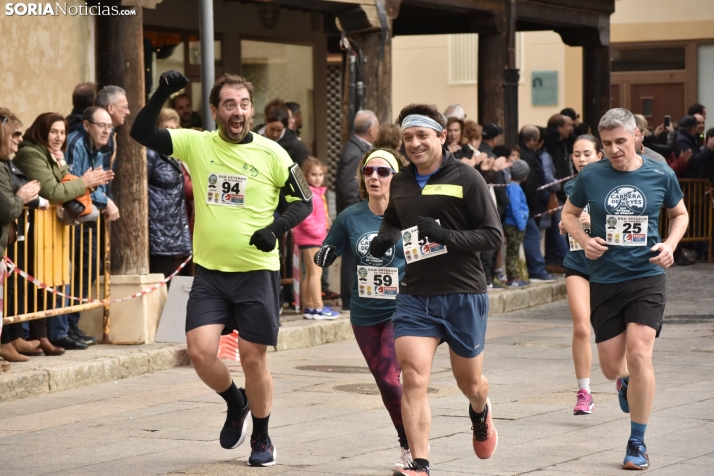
<point x="416" y="249"/>
<point x="377" y="283"/>
<point x="574" y="245"/>
<point x="226" y="189"/>
<point x="626" y="230"/>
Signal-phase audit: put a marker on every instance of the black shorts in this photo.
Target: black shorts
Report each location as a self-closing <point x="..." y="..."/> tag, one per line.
<point x="613" y="306"/>
<point x="574" y="272"/>
<point x="247" y="302"/>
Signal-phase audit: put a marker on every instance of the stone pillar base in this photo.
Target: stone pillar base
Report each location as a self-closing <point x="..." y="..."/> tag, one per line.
<point x="130" y="322"/>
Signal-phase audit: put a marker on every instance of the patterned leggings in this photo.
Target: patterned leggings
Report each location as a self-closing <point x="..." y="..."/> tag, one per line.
<point x="377" y="345"/>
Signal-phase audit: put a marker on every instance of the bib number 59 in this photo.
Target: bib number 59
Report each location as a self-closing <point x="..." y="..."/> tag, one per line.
<point x="380" y="280"/>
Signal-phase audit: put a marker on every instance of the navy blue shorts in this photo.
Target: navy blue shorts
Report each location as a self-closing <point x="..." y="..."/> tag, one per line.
<point x="247" y="302"/>
<point x="459" y="319"/>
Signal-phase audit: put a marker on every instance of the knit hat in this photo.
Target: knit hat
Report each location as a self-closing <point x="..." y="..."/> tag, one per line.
<point x="490" y="131"/>
<point x="519" y="170"/>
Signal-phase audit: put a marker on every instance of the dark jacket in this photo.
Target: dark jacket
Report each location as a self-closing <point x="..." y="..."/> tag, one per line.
<point x="537" y="199"/>
<point x="37" y="163"/>
<point x="74" y="120"/>
<point x="686" y="141"/>
<point x="707" y="170"/>
<point x="295" y="148"/>
<point x="458" y="197"/>
<point x="346" y="187"/>
<point x="496" y="178"/>
<point x="196" y="122"/>
<point x="663" y="144"/>
<point x="10" y="204"/>
<point x="558" y="150"/>
<point x="168" y="224"/>
<point x="465" y="152"/>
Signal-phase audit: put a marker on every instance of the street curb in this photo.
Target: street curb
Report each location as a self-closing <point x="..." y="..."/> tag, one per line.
<point x="15" y="385"/>
<point x="298" y="334"/>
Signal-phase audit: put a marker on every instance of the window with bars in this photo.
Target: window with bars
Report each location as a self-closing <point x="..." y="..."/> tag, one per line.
<point x="463" y="58"/>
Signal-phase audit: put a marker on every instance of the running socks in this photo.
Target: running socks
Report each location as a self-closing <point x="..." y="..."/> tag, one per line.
<point x="637" y="431"/>
<point x="420" y="463"/>
<point x="584" y="383"/>
<point x="233" y="397"/>
<point x="260" y="426"/>
<point x="477" y="417"/>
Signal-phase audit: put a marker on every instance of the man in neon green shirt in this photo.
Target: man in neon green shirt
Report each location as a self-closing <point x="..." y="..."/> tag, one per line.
<point x="237" y="180"/>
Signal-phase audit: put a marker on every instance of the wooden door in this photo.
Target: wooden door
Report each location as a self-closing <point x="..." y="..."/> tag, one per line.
<point x="655" y="100"/>
<point x="615" y="95"/>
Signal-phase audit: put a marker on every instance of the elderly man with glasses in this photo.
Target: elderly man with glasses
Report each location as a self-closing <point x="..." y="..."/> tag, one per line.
<point x="113" y="100"/>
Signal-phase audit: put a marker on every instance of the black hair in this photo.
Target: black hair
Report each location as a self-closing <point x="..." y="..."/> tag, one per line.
<point x="695" y="108"/>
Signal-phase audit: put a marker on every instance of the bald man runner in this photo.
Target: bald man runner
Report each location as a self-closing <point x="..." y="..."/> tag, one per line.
<point x="238" y="177"/>
<point x="442" y="209"/>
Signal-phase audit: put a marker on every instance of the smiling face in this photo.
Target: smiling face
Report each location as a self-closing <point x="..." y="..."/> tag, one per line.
<point x="378" y="187"/>
<point x="233" y="114"/>
<point x="15" y="138"/>
<point x="99" y="128"/>
<point x="584" y="153"/>
<point x="423" y="146"/>
<point x="619" y="146"/>
<point x="58" y="134"/>
<point x="453" y="133"/>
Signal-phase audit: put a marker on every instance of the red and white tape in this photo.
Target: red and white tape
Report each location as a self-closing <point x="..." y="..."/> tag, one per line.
<point x="12" y="267"/>
<point x="542" y="187"/>
<point x="552" y="210"/>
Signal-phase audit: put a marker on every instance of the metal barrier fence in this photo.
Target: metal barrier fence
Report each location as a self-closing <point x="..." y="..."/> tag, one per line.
<point x="698" y="195"/>
<point x="66" y="259"/>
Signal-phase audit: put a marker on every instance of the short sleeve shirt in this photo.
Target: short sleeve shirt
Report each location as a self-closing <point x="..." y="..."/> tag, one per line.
<point x="236" y="189"/>
<point x="611" y="193"/>
<point x="354" y="230"/>
<point x="576" y="259"/>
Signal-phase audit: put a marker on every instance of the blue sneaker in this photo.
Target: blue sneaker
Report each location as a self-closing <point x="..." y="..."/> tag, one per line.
<point x="263" y="452"/>
<point x="636" y="455"/>
<point x="309" y="313"/>
<point x="546" y="278"/>
<point x="621" y="385"/>
<point x="518" y="283"/>
<point x="325" y="313"/>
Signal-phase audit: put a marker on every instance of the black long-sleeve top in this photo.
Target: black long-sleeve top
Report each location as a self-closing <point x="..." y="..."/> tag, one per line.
<point x="458" y="197"/>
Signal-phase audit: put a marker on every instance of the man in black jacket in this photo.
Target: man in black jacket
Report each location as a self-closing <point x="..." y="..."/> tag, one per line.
<point x="346" y="187"/>
<point x="687" y="140"/>
<point x="442" y="209"/>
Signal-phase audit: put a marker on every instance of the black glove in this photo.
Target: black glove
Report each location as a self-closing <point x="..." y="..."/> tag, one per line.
<point x="325" y="256"/>
<point x="379" y="246"/>
<point x="172" y="81"/>
<point x="263" y="239"/>
<point x="431" y="230"/>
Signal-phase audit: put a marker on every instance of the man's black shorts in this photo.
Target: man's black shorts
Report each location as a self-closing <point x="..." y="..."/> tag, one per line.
<point x="613" y="306"/>
<point x="247" y="302"/>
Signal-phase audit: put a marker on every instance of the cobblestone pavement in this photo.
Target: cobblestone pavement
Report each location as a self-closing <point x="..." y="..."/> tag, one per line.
<point x="327" y="418"/>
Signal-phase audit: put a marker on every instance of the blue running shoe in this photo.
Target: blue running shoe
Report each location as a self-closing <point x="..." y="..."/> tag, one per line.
<point x="325" y="314"/>
<point x="263" y="452"/>
<point x="636" y="456"/>
<point x="621" y="385"/>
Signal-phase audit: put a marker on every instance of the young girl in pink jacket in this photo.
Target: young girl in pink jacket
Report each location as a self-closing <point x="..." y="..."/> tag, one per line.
<point x="309" y="236"/>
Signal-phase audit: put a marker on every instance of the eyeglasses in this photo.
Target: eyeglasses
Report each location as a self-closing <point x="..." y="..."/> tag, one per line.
<point x="383" y="172"/>
<point x="4" y="120"/>
<point x="102" y="126"/>
<point x="17" y="134"/>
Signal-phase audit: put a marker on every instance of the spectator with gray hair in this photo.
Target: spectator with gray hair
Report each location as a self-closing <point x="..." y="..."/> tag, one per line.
<point x="640" y="148"/>
<point x="455" y="110"/>
<point x="113" y="100"/>
<point x="366" y="129"/>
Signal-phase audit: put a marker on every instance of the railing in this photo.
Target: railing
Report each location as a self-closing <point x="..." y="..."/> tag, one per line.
<point x="67" y="260"/>
<point x="698" y="201"/>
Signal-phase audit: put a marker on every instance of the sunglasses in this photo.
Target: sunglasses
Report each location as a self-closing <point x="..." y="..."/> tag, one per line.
<point x="383" y="172"/>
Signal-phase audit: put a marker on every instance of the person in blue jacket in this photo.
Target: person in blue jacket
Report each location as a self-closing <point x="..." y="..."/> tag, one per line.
<point x="374" y="288"/>
<point x="514" y="222"/>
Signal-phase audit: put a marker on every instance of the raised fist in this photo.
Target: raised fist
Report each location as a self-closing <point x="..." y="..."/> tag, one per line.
<point x="325" y="256"/>
<point x="172" y="81"/>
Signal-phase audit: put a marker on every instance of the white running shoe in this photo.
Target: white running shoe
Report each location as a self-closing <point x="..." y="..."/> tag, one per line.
<point x="405" y="459"/>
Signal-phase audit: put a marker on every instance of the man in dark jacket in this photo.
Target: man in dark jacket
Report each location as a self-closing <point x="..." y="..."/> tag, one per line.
<point x="559" y="129"/>
<point x="687" y="140"/>
<point x="346" y="187"/>
<point x="82" y="97"/>
<point x="529" y="140"/>
<point x="707" y="153"/>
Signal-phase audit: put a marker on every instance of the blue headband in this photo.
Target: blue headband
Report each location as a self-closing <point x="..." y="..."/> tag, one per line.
<point x="417" y="120"/>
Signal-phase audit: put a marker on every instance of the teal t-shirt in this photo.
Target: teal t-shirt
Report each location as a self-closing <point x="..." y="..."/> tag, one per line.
<point x="576" y="259"/>
<point x="619" y="203"/>
<point x="354" y="230"/>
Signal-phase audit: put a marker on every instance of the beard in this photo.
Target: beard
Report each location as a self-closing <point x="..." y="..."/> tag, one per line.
<point x="229" y="135"/>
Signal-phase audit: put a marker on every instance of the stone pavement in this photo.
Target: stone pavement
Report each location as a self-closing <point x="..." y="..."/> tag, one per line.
<point x="328" y="420"/>
<point x="106" y="363"/>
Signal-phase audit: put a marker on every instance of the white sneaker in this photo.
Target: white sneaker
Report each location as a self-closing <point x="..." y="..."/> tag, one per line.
<point x="405" y="459"/>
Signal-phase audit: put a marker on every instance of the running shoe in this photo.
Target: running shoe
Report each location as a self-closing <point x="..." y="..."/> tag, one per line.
<point x="585" y="403"/>
<point x="324" y="314"/>
<point x="546" y="278"/>
<point x="330" y="295"/>
<point x="636" y="455"/>
<point x="309" y="313"/>
<point x="405" y="459"/>
<point x="500" y="275"/>
<point x="485" y="437"/>
<point x="411" y="471"/>
<point x="498" y="284"/>
<point x="621" y="385"/>
<point x="518" y="283"/>
<point x="234" y="429"/>
<point x="262" y="452"/>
